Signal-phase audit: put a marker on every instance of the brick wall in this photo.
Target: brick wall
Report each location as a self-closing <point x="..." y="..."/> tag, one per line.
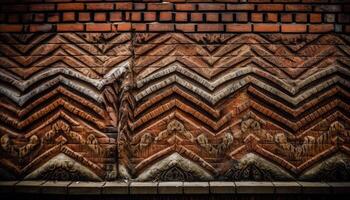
<point x="287" y="16"/>
<point x="181" y="90"/>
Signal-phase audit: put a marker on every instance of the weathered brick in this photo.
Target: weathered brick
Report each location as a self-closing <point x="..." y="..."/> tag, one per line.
<point x="210" y="6"/>
<point x="270" y="7"/>
<point x="212" y="17"/>
<point x="165" y="16"/>
<point x="210" y="27"/>
<point x="238" y="27"/>
<point x="240" y="7"/>
<point x="42" y="7"/>
<point x="70" y="6"/>
<point x="70" y="27"/>
<point x="100" y="6"/>
<point x="181" y="17"/>
<point x="11" y="27"/>
<point x="185" y="27"/>
<point x="115" y="16"/>
<point x="68" y="17"/>
<point x="160" y="27"/>
<point x="160" y="6"/>
<point x="321" y="28"/>
<point x="185" y="7"/>
<point x="149" y="16"/>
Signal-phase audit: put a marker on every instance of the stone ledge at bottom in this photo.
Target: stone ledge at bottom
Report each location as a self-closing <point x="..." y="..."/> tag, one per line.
<point x="187" y="188"/>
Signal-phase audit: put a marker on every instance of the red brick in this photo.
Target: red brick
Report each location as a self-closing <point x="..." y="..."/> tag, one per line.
<point x="39" y="17"/>
<point x="42" y="7"/>
<point x="115" y="16"/>
<point x="68" y="16"/>
<point x="181" y="17"/>
<point x="70" y="6"/>
<point x="139" y="6"/>
<point x="124" y="27"/>
<point x="165" y="16"/>
<point x="212" y="17"/>
<point x="160" y="27"/>
<point x="270" y="7"/>
<point x="293" y="28"/>
<point x="196" y="17"/>
<point x="70" y="27"/>
<point x="266" y="28"/>
<point x="227" y="17"/>
<point x="139" y="26"/>
<point x="40" y="27"/>
<point x="298" y="7"/>
<point x="136" y="16"/>
<point x="210" y="6"/>
<point x="149" y="16"/>
<point x="238" y="27"/>
<point x="315" y="18"/>
<point x="321" y="28"/>
<point x="160" y="6"/>
<point x="241" y="17"/>
<point x="185" y="27"/>
<point x="257" y="17"/>
<point x="11" y="28"/>
<point x="123" y="6"/>
<point x="100" y="6"/>
<point x="240" y="6"/>
<point x="185" y="7"/>
<point x="53" y="17"/>
<point x="210" y="27"/>
<point x="271" y="17"/>
<point x="100" y="17"/>
<point x="301" y="17"/>
<point x="84" y="17"/>
<point x="286" y="17"/>
<point x="98" y="27"/>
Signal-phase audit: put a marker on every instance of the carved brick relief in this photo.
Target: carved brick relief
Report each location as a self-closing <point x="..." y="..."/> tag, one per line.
<point x="174" y="106"/>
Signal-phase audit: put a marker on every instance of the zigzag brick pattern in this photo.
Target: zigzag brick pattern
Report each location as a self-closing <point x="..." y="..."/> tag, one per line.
<point x="175" y="90"/>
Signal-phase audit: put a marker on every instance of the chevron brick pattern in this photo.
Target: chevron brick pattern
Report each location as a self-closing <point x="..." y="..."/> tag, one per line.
<point x="83" y="100"/>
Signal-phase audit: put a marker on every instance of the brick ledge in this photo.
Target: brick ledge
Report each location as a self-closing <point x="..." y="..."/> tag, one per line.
<point x="187" y="188"/>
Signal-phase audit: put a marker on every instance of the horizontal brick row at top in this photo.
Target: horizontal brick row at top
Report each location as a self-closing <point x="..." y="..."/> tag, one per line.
<point x="176" y="15"/>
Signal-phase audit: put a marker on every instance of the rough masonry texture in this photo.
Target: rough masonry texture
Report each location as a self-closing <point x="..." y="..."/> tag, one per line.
<point x="176" y="90"/>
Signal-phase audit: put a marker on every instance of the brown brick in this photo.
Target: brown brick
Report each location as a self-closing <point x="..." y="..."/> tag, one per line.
<point x="327" y="8"/>
<point x="210" y="27"/>
<point x="70" y="27"/>
<point x="271" y="17"/>
<point x="96" y="27"/>
<point x="241" y="17"/>
<point x="123" y="6"/>
<point x="53" y="17"/>
<point x="165" y="16"/>
<point x="68" y="16"/>
<point x="160" y="27"/>
<point x="298" y="7"/>
<point x="149" y="16"/>
<point x="196" y="17"/>
<point x="181" y="17"/>
<point x="160" y="6"/>
<point x="39" y="17"/>
<point x="42" y="7"/>
<point x="227" y="17"/>
<point x="70" y="6"/>
<point x="240" y="7"/>
<point x="212" y="17"/>
<point x="40" y="27"/>
<point x="266" y="28"/>
<point x="84" y="17"/>
<point x="301" y="17"/>
<point x="11" y="27"/>
<point x="270" y="7"/>
<point x="293" y="28"/>
<point x="115" y="16"/>
<point x="238" y="27"/>
<point x="344" y="18"/>
<point x="100" y="6"/>
<point x="139" y="6"/>
<point x="321" y="28"/>
<point x="286" y="17"/>
<point x="257" y="17"/>
<point x="209" y="6"/>
<point x="185" y="27"/>
<point x="185" y="7"/>
<point x="315" y="18"/>
<point x="136" y="16"/>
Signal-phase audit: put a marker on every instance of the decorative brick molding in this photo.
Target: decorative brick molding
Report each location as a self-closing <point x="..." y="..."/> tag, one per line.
<point x="175" y="91"/>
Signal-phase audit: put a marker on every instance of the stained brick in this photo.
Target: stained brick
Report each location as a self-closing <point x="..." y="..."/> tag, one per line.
<point x="70" y="6"/>
<point x="270" y="7"/>
<point x="160" y="27"/>
<point x="321" y="28"/>
<point x="96" y="27"/>
<point x="209" y="6"/>
<point x="266" y="27"/>
<point x="238" y="27"/>
<point x="210" y="27"/>
<point x="70" y="27"/>
<point x="100" y="6"/>
<point x="11" y="27"/>
<point x="294" y="28"/>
